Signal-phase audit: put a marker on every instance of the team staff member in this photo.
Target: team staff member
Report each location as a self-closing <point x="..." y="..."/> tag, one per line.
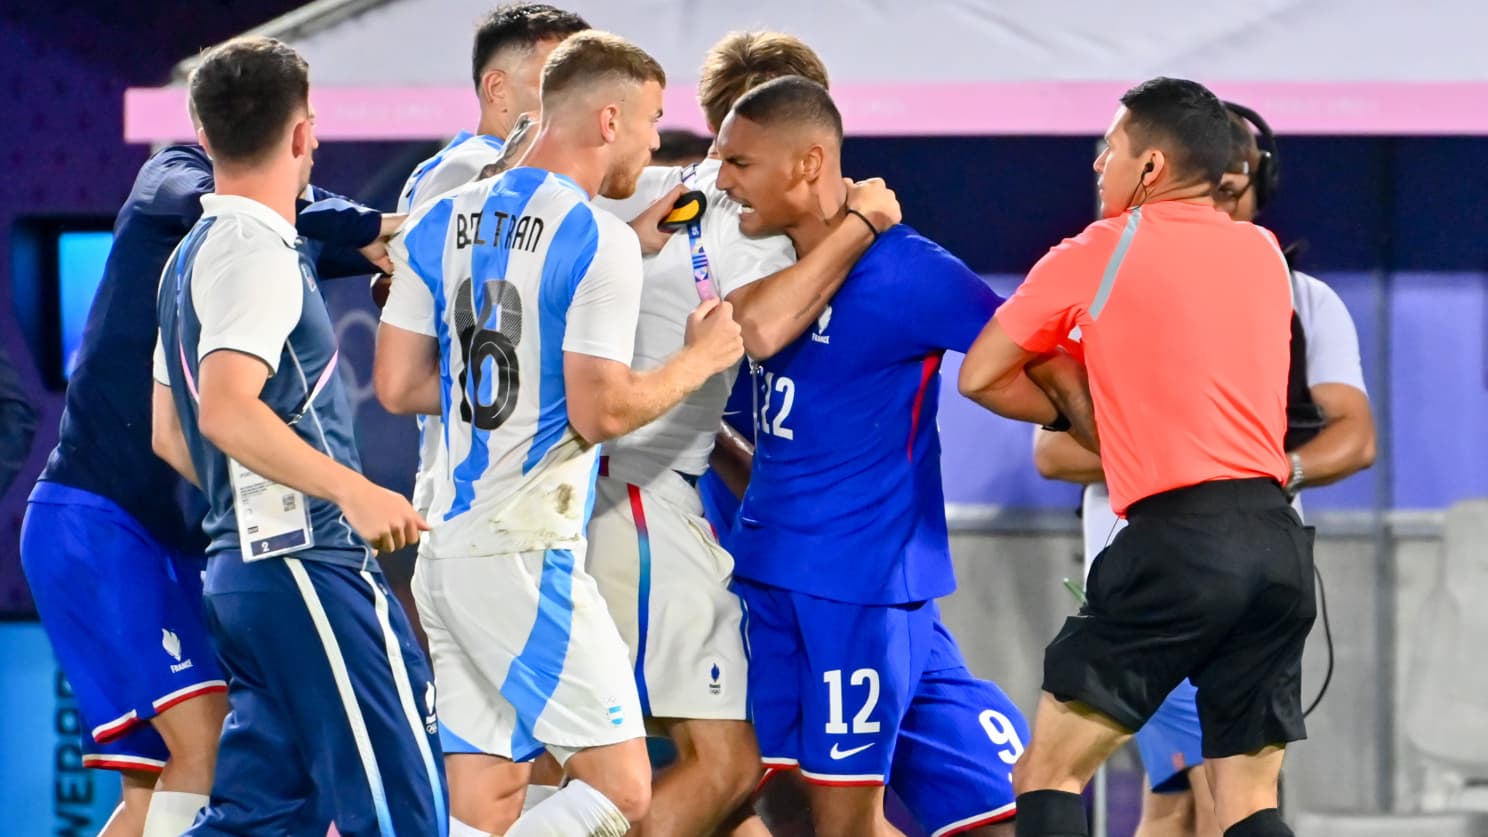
<point x="1325" y="387"/>
<point x="330" y="698"/>
<point x="1184" y="320"/>
<point x="134" y="646"/>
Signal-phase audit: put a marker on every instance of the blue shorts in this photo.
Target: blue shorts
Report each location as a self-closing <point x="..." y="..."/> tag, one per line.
<point x="875" y="694"/>
<point x="1171" y="742"/>
<point x="331" y="705"/>
<point x="124" y="616"/>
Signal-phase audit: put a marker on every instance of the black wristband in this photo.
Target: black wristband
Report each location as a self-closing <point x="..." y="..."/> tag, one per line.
<point x="871" y="228"/>
<point x="1060" y="424"/>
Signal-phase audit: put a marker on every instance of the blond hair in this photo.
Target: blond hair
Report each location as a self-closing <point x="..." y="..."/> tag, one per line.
<point x="744" y="60"/>
<point x="591" y="57"/>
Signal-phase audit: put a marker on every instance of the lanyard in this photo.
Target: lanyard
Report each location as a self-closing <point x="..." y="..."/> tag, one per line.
<point x="310" y="394"/>
<point x="702" y="273"/>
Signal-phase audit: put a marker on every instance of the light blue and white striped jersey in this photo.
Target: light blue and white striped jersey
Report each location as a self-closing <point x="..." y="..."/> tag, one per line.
<point x="509" y="274"/>
<point x="456" y="164"/>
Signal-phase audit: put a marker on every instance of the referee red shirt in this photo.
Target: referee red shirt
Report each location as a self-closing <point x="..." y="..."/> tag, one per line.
<point x="1184" y="316"/>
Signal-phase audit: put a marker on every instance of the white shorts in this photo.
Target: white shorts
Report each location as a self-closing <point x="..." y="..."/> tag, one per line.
<point x="666" y="580"/>
<point x="525" y="656"/>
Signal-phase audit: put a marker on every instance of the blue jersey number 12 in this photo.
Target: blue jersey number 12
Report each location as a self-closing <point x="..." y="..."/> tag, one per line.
<point x="786" y="389"/>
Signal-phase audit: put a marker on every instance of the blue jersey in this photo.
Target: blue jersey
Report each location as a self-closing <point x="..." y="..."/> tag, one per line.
<point x="238" y="282"/>
<point x="845" y="501"/>
<point x="103" y="444"/>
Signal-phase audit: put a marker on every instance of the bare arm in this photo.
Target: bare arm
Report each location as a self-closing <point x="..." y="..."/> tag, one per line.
<point x="1063" y="380"/>
<point x="166" y="438"/>
<point x="233" y="418"/>
<point x="1345" y="445"/>
<point x="993" y="376"/>
<point x="607" y="399"/>
<point x="1058" y="456"/>
<point x="732" y="459"/>
<point x="777" y="309"/>
<point x="406" y="370"/>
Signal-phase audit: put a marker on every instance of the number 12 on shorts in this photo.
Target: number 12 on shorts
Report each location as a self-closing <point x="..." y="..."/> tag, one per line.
<point x="836" y="725"/>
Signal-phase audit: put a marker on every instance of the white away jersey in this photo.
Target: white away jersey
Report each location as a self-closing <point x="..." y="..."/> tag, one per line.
<point x="509" y="273"/>
<point x="682" y="439"/>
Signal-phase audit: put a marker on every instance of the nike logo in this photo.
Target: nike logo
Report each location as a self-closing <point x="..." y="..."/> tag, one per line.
<point x="838" y="755"/>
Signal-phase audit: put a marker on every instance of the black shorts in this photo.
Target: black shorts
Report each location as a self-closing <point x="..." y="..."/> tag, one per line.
<point x="1212" y="582"/>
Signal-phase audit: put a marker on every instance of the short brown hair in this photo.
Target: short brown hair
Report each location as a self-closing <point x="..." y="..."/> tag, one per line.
<point x="590" y="57"/>
<point x="520" y="25"/>
<point x="790" y="101"/>
<point x="744" y="60"/>
<point x="245" y="92"/>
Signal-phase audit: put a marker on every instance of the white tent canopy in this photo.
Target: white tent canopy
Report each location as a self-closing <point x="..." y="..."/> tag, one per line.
<point x="400" y="68"/>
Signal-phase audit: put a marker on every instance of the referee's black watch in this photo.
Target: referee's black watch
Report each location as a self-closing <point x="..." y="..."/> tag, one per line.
<point x="1060" y="424"/>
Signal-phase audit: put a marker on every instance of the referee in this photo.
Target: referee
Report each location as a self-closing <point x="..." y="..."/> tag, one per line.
<point x="1184" y="319"/>
<point x="1330" y="436"/>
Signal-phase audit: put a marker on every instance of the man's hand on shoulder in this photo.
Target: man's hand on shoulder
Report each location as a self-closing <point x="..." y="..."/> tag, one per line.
<point x="376" y="250"/>
<point x="876" y="201"/>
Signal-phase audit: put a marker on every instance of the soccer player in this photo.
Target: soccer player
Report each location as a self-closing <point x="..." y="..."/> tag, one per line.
<point x="655" y="558"/>
<point x="1325" y="387"/>
<point x="329" y="696"/>
<point x="513" y="313"/>
<point x="511" y="45"/>
<point x="841" y="544"/>
<point x="134" y="646"/>
<point x="1212" y="579"/>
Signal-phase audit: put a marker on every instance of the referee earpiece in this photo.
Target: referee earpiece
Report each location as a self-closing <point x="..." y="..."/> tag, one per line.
<point x="1147" y="169"/>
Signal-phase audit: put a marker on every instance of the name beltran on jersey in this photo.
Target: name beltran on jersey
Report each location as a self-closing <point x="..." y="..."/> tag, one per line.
<point x="525" y="233"/>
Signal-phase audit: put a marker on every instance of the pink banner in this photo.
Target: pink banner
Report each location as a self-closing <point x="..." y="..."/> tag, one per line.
<point x="948" y="109"/>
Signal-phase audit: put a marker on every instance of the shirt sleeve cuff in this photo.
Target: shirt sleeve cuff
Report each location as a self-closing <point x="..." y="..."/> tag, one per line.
<point x="417" y="325"/>
<point x="1029" y="340"/>
<point x="270" y="358"/>
<point x="599" y="350"/>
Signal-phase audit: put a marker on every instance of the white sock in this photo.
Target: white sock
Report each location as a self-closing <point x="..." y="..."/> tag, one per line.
<point x="577" y="810"/>
<point x="460" y="829"/>
<point x="172" y="812"/>
<point x="536" y="794"/>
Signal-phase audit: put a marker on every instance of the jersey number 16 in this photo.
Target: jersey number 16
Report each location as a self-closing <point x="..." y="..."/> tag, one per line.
<point x="488" y="348"/>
